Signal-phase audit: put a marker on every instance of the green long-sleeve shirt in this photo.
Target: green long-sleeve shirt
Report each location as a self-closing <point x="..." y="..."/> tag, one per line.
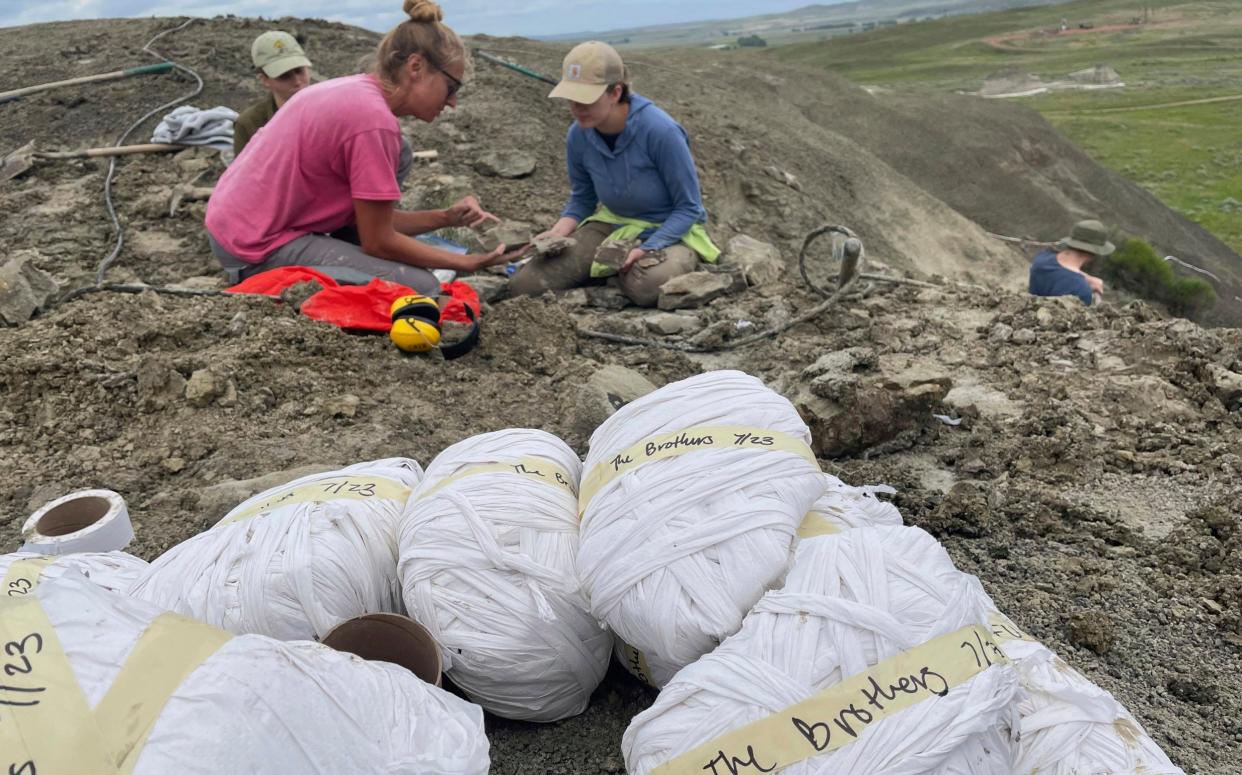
<point x="249" y="121"/>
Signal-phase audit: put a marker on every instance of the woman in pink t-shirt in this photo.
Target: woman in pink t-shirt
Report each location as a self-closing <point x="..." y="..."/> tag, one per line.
<point x="326" y="161"/>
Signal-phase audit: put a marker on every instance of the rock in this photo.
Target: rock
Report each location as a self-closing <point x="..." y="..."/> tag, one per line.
<point x="211" y="282"/>
<point x="505" y="163"/>
<point x="574" y="297"/>
<point x="551" y="245"/>
<point x="969" y="395"/>
<point x="342" y="406"/>
<point x="1044" y="317"/>
<point x="24" y="289"/>
<point x="853" y="400"/>
<point x="759" y="262"/>
<point x="511" y="234"/>
<point x="297" y="294"/>
<point x="670" y="324"/>
<point x="1227" y="385"/>
<point x="207" y="386"/>
<point x="1091" y="630"/>
<point x="1000" y="333"/>
<point x="174" y="465"/>
<point x="1190" y="690"/>
<point x="217" y="500"/>
<point x="159" y="383"/>
<point x="606" y="297"/>
<point x="489" y="287"/>
<point x="692" y="290"/>
<point x="604" y="392"/>
<point x="239" y="324"/>
<point x="436" y="191"/>
<point x="1025" y="336"/>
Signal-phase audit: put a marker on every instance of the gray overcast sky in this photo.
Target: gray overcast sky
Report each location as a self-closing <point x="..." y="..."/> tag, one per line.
<point x="497" y="17"/>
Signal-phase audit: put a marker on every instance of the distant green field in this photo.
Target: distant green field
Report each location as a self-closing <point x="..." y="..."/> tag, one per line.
<point x="1190" y="156"/>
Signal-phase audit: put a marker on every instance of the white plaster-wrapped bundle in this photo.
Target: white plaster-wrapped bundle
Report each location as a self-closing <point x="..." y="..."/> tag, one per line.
<point x="875" y="657"/>
<point x="125" y="687"/>
<point x="296" y="560"/>
<point x="691" y="497"/>
<point x="115" y="571"/>
<point x="844" y="507"/>
<point x="1070" y="726"/>
<point x="488" y="545"/>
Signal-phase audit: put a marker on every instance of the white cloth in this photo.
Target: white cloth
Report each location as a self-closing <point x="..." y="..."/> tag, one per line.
<point x="676" y="551"/>
<point x="487" y="564"/>
<point x="296" y="571"/>
<point x="114" y="571"/>
<point x="259" y="705"/>
<point x="188" y="125"/>
<point x="851" y="601"/>
<point x="1070" y="726"/>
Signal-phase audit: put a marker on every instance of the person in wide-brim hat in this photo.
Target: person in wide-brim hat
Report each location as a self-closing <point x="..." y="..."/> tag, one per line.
<point x="1058" y="271"/>
<point x="635" y="208"/>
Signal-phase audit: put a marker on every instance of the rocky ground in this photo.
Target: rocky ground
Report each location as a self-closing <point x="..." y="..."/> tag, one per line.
<point x="1086" y="463"/>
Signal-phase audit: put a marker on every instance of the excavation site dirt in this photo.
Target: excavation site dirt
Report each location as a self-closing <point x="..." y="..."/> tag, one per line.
<point x="1085" y="463"/>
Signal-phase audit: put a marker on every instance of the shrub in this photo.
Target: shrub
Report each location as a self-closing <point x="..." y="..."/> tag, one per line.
<point x="1136" y="267"/>
<point x="751" y="41"/>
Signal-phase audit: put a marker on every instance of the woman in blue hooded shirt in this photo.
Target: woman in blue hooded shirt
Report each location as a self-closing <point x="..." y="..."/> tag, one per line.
<point x="634" y="208"/>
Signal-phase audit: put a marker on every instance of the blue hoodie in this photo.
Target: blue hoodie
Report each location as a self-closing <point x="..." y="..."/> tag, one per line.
<point x="650" y="174"/>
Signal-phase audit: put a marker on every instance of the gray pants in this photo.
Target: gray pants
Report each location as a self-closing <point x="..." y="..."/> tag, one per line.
<point x="341" y="259"/>
<point x="641" y="284"/>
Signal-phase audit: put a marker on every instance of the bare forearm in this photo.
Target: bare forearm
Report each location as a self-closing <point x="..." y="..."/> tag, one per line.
<point x="564" y="227"/>
<point x="407" y="250"/>
<point x="414" y="222"/>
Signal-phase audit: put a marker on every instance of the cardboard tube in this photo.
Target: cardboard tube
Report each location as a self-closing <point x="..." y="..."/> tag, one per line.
<point x="83" y="521"/>
<point x="390" y="638"/>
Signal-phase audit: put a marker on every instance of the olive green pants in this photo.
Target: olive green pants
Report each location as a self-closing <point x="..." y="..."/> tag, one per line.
<point x="641" y="283"/>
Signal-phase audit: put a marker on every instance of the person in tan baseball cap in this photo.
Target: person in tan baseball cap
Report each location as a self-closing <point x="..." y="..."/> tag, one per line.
<point x="283" y="71"/>
<point x="635" y="208"/>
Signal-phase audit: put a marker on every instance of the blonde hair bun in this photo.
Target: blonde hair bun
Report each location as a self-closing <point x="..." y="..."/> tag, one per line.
<point x="423" y="11"/>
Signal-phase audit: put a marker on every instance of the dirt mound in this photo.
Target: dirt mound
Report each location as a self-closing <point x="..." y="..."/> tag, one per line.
<point x="1088" y="466"/>
<point x="1011" y="83"/>
<point x="1003" y="166"/>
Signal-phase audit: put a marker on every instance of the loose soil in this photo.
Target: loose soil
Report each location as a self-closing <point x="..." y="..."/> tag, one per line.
<point x="1094" y="483"/>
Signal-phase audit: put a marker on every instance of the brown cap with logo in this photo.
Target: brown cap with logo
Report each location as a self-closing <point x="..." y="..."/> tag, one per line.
<point x="589" y="69"/>
<point x="276" y="53"/>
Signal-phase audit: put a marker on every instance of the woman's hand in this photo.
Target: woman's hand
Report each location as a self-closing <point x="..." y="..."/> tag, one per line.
<point x="468" y="212"/>
<point x="634" y="255"/>
<point x="476" y="261"/>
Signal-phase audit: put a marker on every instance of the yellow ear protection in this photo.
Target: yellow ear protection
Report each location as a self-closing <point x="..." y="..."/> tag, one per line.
<point x="416" y="327"/>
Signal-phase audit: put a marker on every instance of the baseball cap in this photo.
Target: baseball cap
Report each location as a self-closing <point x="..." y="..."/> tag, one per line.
<point x="1089" y="237"/>
<point x="276" y="53"/>
<point x="587" y="72"/>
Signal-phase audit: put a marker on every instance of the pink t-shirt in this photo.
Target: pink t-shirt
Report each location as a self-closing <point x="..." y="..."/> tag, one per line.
<point x="330" y="144"/>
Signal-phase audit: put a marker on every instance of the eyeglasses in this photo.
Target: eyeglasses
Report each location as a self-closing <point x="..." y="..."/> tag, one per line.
<point x="454" y="85"/>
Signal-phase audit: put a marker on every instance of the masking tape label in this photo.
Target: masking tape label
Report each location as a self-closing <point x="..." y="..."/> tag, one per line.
<point x="23" y="575"/>
<point x="46" y="726"/>
<point x="537" y="469"/>
<point x="330" y="488"/>
<point x="670" y="445"/>
<point x="636" y="662"/>
<point x="169" y="650"/>
<point x="837" y="716"/>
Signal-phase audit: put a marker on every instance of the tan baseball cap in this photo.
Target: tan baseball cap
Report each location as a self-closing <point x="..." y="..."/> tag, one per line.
<point x="587" y="72"/>
<point x="276" y="53"/>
